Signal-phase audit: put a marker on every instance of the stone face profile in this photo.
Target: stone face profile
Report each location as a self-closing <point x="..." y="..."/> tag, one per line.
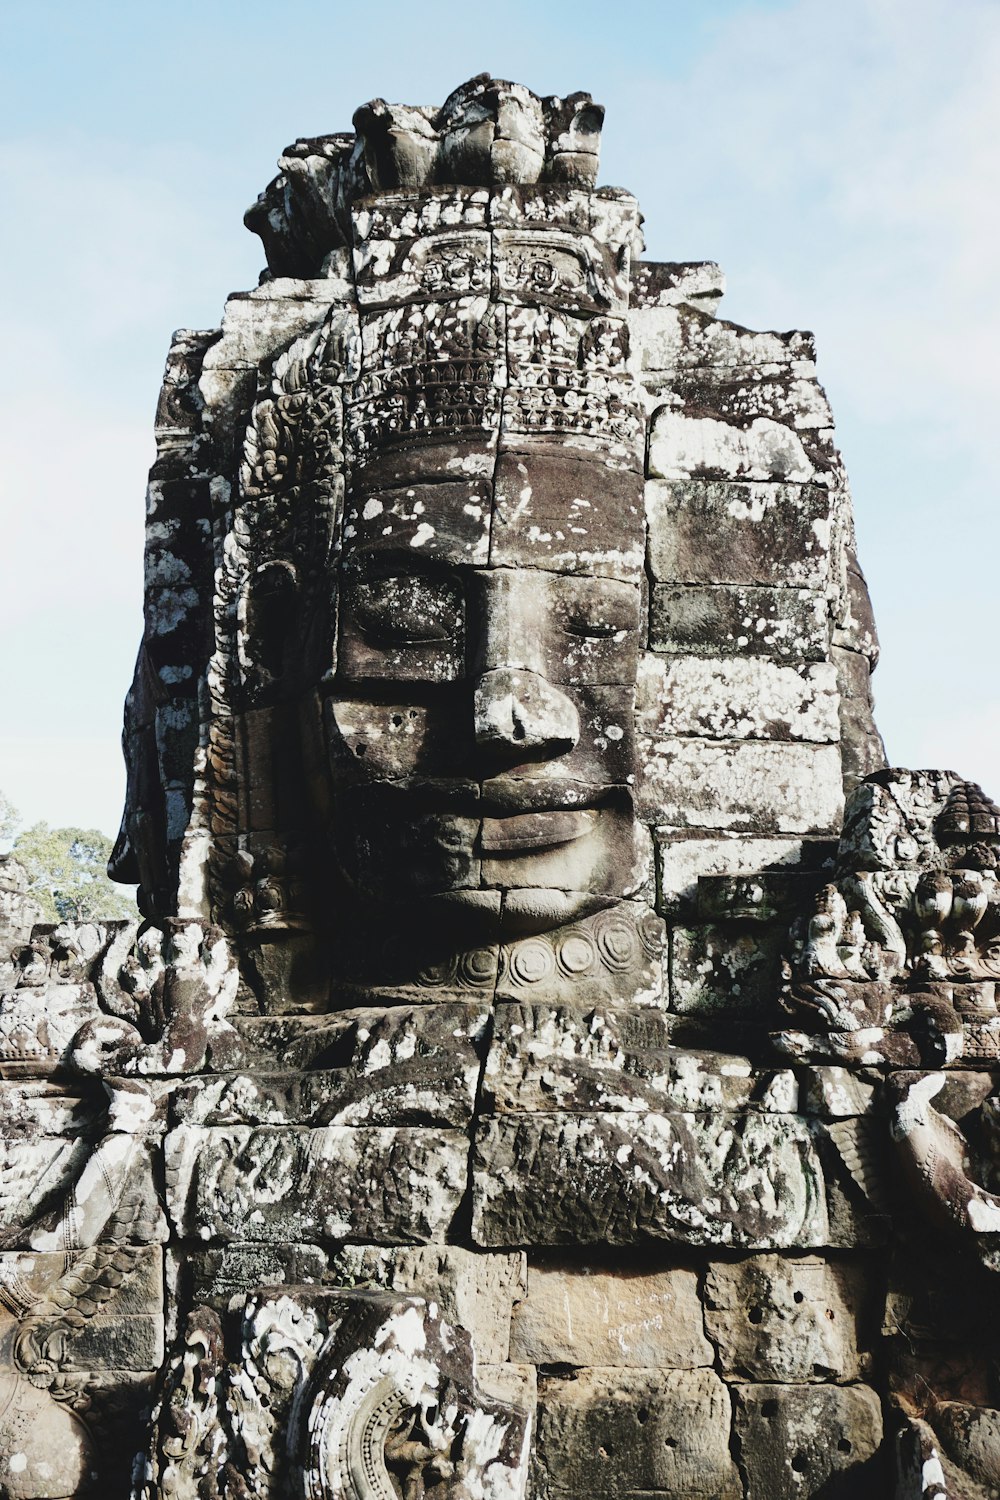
<point x="558" y="1056"/>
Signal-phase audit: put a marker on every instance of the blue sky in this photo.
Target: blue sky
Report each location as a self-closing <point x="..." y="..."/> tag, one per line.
<point x="839" y="160"/>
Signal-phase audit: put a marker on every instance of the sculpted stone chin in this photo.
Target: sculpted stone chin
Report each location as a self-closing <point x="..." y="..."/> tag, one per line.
<point x="558" y="1057"/>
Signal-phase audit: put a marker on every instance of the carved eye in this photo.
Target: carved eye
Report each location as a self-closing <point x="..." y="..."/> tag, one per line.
<point x="599" y="617"/>
<point x="602" y="629"/>
<point x="401" y="609"/>
<point x="597" y="608"/>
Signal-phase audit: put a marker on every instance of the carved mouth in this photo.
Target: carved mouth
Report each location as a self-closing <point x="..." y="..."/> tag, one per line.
<point x="536" y="830"/>
<point x="508" y="796"/>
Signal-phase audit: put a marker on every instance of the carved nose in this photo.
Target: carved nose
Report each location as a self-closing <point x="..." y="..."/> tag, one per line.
<point x="519" y="713"/>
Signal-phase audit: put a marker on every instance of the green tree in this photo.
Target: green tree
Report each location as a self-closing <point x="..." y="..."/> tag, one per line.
<point x="9" y="820"/>
<point x="67" y="874"/>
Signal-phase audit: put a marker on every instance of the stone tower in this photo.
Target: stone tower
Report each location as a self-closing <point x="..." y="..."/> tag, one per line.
<point x="531" y="1077"/>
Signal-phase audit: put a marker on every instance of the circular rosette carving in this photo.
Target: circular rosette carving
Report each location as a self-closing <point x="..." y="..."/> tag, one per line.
<point x="617" y="941"/>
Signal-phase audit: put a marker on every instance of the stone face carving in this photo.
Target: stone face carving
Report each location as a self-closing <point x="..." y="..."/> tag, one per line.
<point x="531" y="1076"/>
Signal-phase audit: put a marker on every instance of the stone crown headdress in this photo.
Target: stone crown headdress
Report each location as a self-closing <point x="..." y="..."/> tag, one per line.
<point x="489" y="277"/>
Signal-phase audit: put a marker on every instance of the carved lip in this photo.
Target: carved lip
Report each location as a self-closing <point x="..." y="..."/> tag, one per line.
<point x="508" y="796"/>
<point x="536" y="830"/>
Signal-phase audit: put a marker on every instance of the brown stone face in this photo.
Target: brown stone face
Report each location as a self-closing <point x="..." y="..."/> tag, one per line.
<point x="479" y="720"/>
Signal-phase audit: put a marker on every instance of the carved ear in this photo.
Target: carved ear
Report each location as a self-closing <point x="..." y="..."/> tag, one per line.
<point x="269" y="611"/>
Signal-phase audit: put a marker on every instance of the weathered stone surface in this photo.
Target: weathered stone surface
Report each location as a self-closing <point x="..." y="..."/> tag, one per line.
<point x="410" y="1065"/>
<point x="761" y="898"/>
<point x="811" y="1441"/>
<point x="736" y="699"/>
<point x="616" y="1432"/>
<point x="723" y="979"/>
<point x="751" y="787"/>
<point x="723" y="619"/>
<point x="666" y="283"/>
<point x="19" y="911"/>
<point x="259" y="324"/>
<point x="751" y="534"/>
<point x="861" y="744"/>
<point x="667" y="337"/>
<point x="220" y="1277"/>
<point x="752" y="1181"/>
<point x="836" y="1093"/>
<point x="708" y="447"/>
<point x="272" y="1184"/>
<point x="545" y="1057"/>
<point x="568" y="516"/>
<point x="683" y="856"/>
<point x="794" y="1318"/>
<point x="607" y="1058"/>
<point x="601" y="1315"/>
<point x="476" y="1292"/>
<point x="32" y="1107"/>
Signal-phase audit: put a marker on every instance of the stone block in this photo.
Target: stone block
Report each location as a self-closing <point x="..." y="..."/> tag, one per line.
<point x="592" y="1315"/>
<point x="683" y="857"/>
<point x="749" y="1181"/>
<point x="767" y="896"/>
<point x="34" y="1170"/>
<point x="535" y="266"/>
<point x="179" y="547"/>
<point x="395" y="270"/>
<point x="177" y="727"/>
<point x="397" y="1185"/>
<point x="613" y="1433"/>
<point x="407" y="1065"/>
<point x="571" y="1057"/>
<point x="475" y="1291"/>
<point x="449" y="522"/>
<point x="817" y="1442"/>
<point x="569" y="516"/>
<point x="437" y="208"/>
<point x="618" y="954"/>
<point x="255" y="329"/>
<point x="751" y="787"/>
<point x="728" y="619"/>
<point x="34" y="1107"/>
<point x="724" y="981"/>
<point x="789" y="1318"/>
<point x="227" y="397"/>
<point x="662" y="283"/>
<point x="669" y="337"/>
<point x="178" y="415"/>
<point x="138" y="1295"/>
<point x="223" y="1276"/>
<point x="708" y="447"/>
<point x="737" y="698"/>
<point x="515" y="1385"/>
<point x="854" y="626"/>
<point x="836" y="1093"/>
<point x="609" y="1057"/>
<point x="748" y="394"/>
<point x="751" y="534"/>
<point x="860" y="742"/>
<point x="116" y="1343"/>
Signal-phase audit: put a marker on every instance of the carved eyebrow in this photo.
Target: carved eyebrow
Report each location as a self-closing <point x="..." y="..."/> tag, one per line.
<point x="384" y="562"/>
